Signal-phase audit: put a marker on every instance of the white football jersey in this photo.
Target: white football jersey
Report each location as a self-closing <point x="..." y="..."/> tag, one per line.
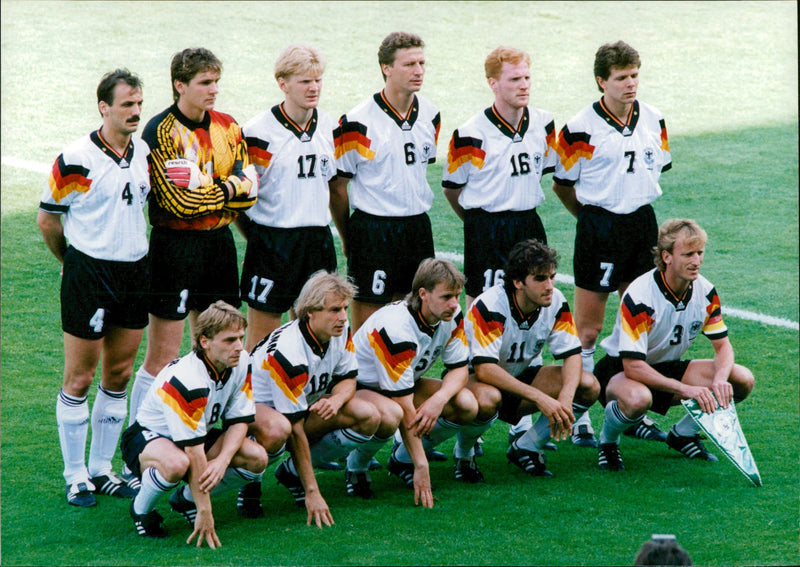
<point x="292" y="370"/>
<point x="294" y="166"/>
<point x="101" y="195"/>
<point x="499" y="333"/>
<point x="387" y="156"/>
<point x="395" y="348"/>
<point x="499" y="166"/>
<point x="612" y="165"/>
<point x="656" y="326"/>
<point x="189" y="396"/>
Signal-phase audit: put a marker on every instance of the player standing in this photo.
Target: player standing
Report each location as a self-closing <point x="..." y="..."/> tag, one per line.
<point x="661" y="314"/>
<point x="507" y="327"/>
<point x="99" y="185"/>
<point x="494" y="171"/>
<point x="611" y="156"/>
<point x="384" y="145"/>
<point x="197" y="168"/>
<point x="306" y="370"/>
<point x="288" y="238"/>
<point x="395" y="347"/>
<point x="174" y="438"/>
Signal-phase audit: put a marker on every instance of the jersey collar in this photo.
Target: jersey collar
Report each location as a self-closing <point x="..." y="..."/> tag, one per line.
<point x="302" y="134"/>
<point x="123" y="161"/>
<point x="205" y="123"/>
<point x="516" y="134"/>
<point x="679" y="303"/>
<point x="422" y="324"/>
<point x="522" y="320"/>
<point x="316" y="347"/>
<point x="218" y="377"/>
<point x="404" y="122"/>
<point x="624" y="129"/>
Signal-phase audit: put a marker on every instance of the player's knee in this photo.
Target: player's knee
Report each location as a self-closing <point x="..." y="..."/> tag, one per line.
<point x="466" y="406"/>
<point x="174" y="467"/>
<point x="77" y="383"/>
<point x="742" y="380"/>
<point x="253" y="456"/>
<point x="391" y="416"/>
<point x="588" y="389"/>
<point x="366" y="416"/>
<point x="488" y="402"/>
<point x="273" y="434"/>
<point x="635" y="402"/>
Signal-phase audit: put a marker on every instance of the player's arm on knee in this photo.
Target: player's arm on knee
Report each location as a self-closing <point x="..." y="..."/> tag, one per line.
<point x="723" y="366"/>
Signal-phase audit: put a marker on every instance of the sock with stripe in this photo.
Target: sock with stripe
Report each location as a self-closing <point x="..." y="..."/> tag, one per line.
<point x="108" y="416"/>
<point x="72" y="417"/>
<point x="359" y="458"/>
<point x="615" y="423"/>
<point x="468" y="436"/>
<point x="536" y="437"/>
<point x="686" y="427"/>
<point x="154" y="486"/>
<point x="335" y="444"/>
<point x="524" y="423"/>
<point x="442" y="430"/>
<point x="587" y="359"/>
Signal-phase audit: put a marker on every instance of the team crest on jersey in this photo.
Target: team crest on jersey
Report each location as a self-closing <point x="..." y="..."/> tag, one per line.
<point x="325" y="165"/>
<point x="426" y="152"/>
<point x="649" y="157"/>
<point x="694" y="329"/>
<point x="537" y="161"/>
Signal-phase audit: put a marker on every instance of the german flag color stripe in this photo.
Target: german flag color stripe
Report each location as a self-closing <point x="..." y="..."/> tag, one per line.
<point x="571" y="147"/>
<point x="395" y="358"/>
<point x="257" y="151"/>
<point x="664" y="140"/>
<point x="564" y="321"/>
<point x="188" y="404"/>
<point x="247" y="387"/>
<point x="458" y="333"/>
<point x="352" y="136"/>
<point x="290" y="379"/>
<point x="714" y="321"/>
<point x="488" y="325"/>
<point x="635" y="318"/>
<point x="464" y="150"/>
<point x="64" y="179"/>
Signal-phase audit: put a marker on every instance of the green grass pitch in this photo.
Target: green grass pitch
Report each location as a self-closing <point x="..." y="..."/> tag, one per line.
<point x="725" y="76"/>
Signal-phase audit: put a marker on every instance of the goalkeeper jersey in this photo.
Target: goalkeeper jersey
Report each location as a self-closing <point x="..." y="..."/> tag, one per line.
<point x="216" y="145"/>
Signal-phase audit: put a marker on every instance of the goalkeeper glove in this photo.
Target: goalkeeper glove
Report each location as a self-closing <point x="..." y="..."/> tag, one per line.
<point x="186" y="174"/>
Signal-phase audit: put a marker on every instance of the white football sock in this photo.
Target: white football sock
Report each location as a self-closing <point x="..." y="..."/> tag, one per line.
<point x="335" y="444"/>
<point x="141" y="384"/>
<point x="442" y="430"/>
<point x="108" y="416"/>
<point x="468" y="436"/>
<point x="536" y="437"/>
<point x="359" y="458"/>
<point x="587" y="359"/>
<point x="524" y="423"/>
<point x="615" y="423"/>
<point x="72" y="417"/>
<point x="686" y="427"/>
<point x="153" y="487"/>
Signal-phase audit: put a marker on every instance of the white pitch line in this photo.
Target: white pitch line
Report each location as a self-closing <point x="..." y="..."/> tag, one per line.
<point x="37" y="167"/>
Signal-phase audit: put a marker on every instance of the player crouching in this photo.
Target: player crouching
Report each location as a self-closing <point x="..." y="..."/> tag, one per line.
<point x="661" y="314"/>
<point x="174" y="436"/>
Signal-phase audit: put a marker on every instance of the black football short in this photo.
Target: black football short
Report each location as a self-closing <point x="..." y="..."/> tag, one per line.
<point x="384" y="253"/>
<point x="608" y="366"/>
<point x="98" y="294"/>
<point x="612" y="248"/>
<point x="488" y="238"/>
<point x="190" y="270"/>
<point x="509" y="406"/>
<point x="278" y="261"/>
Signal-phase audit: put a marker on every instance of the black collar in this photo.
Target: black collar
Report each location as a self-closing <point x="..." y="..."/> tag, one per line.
<point x="311" y="340"/>
<point x="522" y="320"/>
<point x="124" y="160"/>
<point x="216" y="376"/>
<point x="302" y="134"/>
<point x="188" y="122"/>
<point x="422" y="324"/>
<point x="613" y="121"/>
<point x="515" y="133"/>
<point x="404" y="122"/>
<point x="679" y="303"/>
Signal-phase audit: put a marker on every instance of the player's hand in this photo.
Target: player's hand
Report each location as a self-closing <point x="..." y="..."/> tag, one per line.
<point x="426" y="416"/>
<point x="422" y="487"/>
<point x="723" y="391"/>
<point x="241" y="188"/>
<point x="213" y="474"/>
<point x="559" y="416"/>
<point x="318" y="511"/>
<point x="187" y="174"/>
<point x="204" y="530"/>
<point x="325" y="407"/>
<point x="704" y="397"/>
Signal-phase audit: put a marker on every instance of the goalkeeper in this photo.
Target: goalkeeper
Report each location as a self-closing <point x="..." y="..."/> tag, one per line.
<point x="200" y="182"/>
<point x="661" y="314"/>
